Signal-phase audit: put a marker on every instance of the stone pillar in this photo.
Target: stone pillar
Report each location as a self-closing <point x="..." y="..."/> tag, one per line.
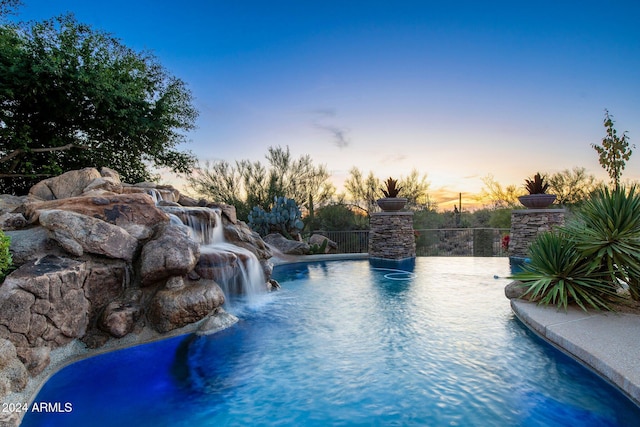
<point x="391" y="236"/>
<point x="525" y="226"/>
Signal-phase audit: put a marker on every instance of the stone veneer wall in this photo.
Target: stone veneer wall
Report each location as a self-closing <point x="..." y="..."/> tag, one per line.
<point x="391" y="235"/>
<point x="527" y="223"/>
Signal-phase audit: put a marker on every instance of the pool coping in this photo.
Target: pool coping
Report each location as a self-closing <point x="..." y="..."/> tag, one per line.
<point x="605" y="342"/>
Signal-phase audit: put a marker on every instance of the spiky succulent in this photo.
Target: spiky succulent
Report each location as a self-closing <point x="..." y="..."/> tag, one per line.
<point x="392" y="190"/>
<point x="536" y="185"/>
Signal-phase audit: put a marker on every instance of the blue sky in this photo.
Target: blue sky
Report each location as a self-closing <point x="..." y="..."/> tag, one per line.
<point x="455" y="89"/>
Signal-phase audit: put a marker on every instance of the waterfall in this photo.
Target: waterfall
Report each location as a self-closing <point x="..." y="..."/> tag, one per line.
<point x="155" y="195"/>
<point x="236" y="270"/>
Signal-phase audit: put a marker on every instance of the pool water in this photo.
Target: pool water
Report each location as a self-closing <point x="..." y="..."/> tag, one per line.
<point x="347" y="343"/>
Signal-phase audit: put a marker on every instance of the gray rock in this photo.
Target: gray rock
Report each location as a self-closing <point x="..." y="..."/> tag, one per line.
<point x="31" y="244"/>
<point x="318" y="239"/>
<point x="104" y="184"/>
<point x="35" y="359"/>
<point x="10" y="203"/>
<point x="515" y="290"/>
<point x="135" y="213"/>
<point x="286" y="246"/>
<point x="77" y="233"/>
<point x="106" y="172"/>
<point x="69" y="184"/>
<point x="12" y="221"/>
<point x="216" y="322"/>
<point x="242" y="235"/>
<point x="119" y="317"/>
<point x="173" y="308"/>
<point x="172" y="253"/>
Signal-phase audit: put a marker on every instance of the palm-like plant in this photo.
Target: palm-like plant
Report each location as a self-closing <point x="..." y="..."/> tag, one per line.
<point x="558" y="274"/>
<point x="607" y="231"/>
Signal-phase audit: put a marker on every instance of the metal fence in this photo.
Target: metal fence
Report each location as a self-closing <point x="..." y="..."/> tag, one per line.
<point x="432" y="242"/>
<point x="461" y="242"/>
<point x="349" y="242"/>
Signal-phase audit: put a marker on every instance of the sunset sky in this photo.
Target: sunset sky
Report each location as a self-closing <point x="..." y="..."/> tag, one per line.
<point x="455" y="89"/>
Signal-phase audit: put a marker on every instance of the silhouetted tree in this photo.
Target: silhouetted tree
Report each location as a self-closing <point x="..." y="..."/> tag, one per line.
<point x="572" y="186"/>
<point x="614" y="151"/>
<point x="246" y="184"/>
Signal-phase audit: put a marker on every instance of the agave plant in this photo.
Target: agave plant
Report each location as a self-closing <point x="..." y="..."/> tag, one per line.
<point x="607" y="230"/>
<point x="536" y="185"/>
<point x="558" y="274"/>
<point x="391" y="190"/>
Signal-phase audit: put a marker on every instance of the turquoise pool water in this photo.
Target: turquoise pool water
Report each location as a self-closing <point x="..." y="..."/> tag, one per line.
<point x="346" y="343"/>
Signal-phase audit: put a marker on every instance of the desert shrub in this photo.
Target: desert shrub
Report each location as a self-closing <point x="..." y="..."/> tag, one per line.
<point x="558" y="273"/>
<point x="606" y="229"/>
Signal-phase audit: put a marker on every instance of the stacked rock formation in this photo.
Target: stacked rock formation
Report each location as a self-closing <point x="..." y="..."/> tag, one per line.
<point x="97" y="260"/>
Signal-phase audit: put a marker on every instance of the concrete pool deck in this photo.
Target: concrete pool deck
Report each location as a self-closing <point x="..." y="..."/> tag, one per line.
<point x="608" y="343"/>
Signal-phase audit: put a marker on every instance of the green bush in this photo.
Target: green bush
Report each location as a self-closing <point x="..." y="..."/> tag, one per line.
<point x="607" y="230"/>
<point x="5" y="255"/>
<point x="558" y="273"/>
<point x="587" y="260"/>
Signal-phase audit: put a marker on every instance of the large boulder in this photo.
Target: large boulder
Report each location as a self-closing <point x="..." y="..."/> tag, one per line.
<point x="136" y="213"/>
<point x="10" y="203"/>
<point x="286" y="246"/>
<point x="69" y="184"/>
<point x="318" y="240"/>
<point x="78" y="234"/>
<point x="242" y="235"/>
<point x="172" y="253"/>
<point x="104" y="185"/>
<point x="174" y="308"/>
<point x="30" y="244"/>
<point x="43" y="303"/>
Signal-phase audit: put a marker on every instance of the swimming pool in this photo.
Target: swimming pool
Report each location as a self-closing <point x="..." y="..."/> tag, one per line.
<point x="346" y="343"/>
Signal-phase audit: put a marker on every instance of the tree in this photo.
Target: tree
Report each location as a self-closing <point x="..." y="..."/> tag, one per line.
<point x="8" y="6"/>
<point x="73" y="97"/>
<point x="497" y="196"/>
<point x="247" y="184"/>
<point x="614" y="151"/>
<point x="415" y="188"/>
<point x="364" y="192"/>
<point x="572" y="186"/>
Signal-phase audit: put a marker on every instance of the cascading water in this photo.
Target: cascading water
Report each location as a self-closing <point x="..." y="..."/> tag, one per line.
<point x="247" y="278"/>
<point x="236" y="270"/>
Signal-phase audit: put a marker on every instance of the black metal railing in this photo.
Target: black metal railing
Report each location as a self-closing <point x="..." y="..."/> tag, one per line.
<point x="432" y="242"/>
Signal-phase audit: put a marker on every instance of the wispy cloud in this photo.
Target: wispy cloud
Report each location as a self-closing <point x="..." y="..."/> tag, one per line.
<point x="323" y="121"/>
